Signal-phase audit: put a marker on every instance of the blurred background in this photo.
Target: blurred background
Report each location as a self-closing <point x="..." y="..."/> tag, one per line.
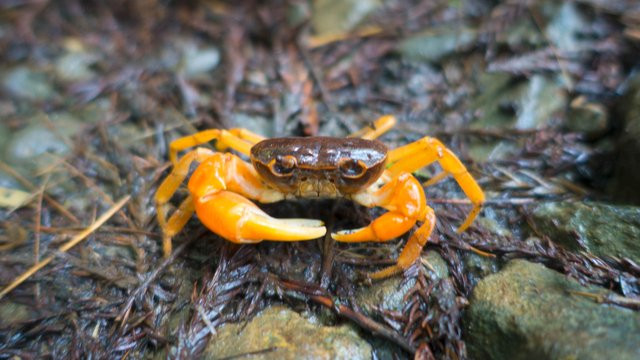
<point x="540" y="99"/>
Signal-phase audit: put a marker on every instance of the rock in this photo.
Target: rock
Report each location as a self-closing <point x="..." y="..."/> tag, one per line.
<point x="27" y="147"/>
<point x="11" y="312"/>
<point x="604" y="230"/>
<point x="289" y="336"/>
<point x="535" y="101"/>
<point x="388" y="294"/>
<point x="434" y="44"/>
<point x="76" y="66"/>
<point x="527" y="312"/>
<point x="508" y="103"/>
<point x="257" y="124"/>
<point x="331" y="17"/>
<point x="566" y="25"/>
<point x="541" y="99"/>
<point x="587" y="117"/>
<point x="624" y="184"/>
<point x="190" y="58"/>
<point x="200" y="61"/>
<point x="25" y="83"/>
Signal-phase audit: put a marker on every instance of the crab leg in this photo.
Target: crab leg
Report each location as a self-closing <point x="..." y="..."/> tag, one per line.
<point x="375" y="130"/>
<point x="411" y="252"/>
<point x="166" y="190"/>
<point x="238" y="139"/>
<point x="404" y="197"/>
<point x="428" y="150"/>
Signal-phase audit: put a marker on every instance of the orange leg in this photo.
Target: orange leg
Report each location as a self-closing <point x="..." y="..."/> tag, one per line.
<point x="411" y="252"/>
<point x="375" y="130"/>
<point x="427" y="150"/>
<point x="238" y="139"/>
<point x="404" y="197"/>
<point x="166" y="190"/>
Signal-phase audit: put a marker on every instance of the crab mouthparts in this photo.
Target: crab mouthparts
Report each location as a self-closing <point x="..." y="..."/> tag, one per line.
<point x="317" y="188"/>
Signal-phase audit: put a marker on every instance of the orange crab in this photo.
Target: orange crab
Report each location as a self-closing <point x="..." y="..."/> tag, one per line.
<point x="357" y="167"/>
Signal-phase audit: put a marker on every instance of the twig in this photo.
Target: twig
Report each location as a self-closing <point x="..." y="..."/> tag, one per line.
<point x="64" y="248"/>
<point x="360" y="319"/>
<point x="26" y="183"/>
<point x="613" y="299"/>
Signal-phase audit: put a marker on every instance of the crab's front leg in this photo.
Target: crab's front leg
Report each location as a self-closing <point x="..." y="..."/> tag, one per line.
<point x="427" y="150"/>
<point x="404" y="197"/>
<point x="220" y="189"/>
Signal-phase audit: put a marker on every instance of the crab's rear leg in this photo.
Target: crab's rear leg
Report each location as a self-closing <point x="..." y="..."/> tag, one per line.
<point x="427" y="150"/>
<point x="404" y="197"/>
<point x="376" y="129"/>
<point x="238" y="139"/>
<point x="166" y="190"/>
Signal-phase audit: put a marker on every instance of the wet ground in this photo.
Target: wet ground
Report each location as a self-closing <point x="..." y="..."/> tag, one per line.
<point x="540" y="101"/>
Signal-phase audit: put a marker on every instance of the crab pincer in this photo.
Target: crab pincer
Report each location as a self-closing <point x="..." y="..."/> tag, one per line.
<point x="237" y="219"/>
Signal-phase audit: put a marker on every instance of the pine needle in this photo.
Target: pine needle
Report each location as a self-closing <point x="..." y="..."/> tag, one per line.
<point x="68" y="245"/>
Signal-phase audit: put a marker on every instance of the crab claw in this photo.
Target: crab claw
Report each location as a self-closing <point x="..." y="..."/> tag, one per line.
<point x="386" y="227"/>
<point x="237" y="219"/>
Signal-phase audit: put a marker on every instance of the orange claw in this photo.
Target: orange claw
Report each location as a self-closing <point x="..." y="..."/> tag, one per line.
<point x="219" y="188"/>
<point x="404" y="197"/>
<point x="237" y="219"/>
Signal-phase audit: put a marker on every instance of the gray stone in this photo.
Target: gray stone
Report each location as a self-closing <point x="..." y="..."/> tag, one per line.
<point x="624" y="185"/>
<point x="604" y="230"/>
<point x="587" y="117"/>
<point x="25" y="83"/>
<point x="28" y="147"/>
<point x="527" y="312"/>
<point x="566" y="25"/>
<point x="388" y="294"/>
<point x="281" y="333"/>
<point x="434" y="44"/>
<point x="76" y="66"/>
<point x="332" y="17"/>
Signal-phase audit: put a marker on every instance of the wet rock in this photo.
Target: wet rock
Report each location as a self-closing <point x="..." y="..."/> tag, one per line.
<point x="624" y="185"/>
<point x="434" y="44"/>
<point x="28" y="146"/>
<point x="338" y="16"/>
<point x="587" y="117"/>
<point x="524" y="105"/>
<point x="527" y="312"/>
<point x="566" y="25"/>
<point x="6" y="180"/>
<point x="541" y="99"/>
<point x="190" y="58"/>
<point x="281" y="333"/>
<point x="388" y="294"/>
<point x="604" y="230"/>
<point x="75" y="66"/>
<point x="11" y="312"/>
<point x="505" y="102"/>
<point x="200" y="61"/>
<point x="257" y="124"/>
<point x="25" y="83"/>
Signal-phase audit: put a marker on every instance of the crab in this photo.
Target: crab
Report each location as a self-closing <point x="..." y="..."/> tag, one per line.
<point x="359" y="167"/>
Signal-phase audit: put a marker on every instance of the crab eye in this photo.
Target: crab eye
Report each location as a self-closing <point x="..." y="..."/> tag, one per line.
<point x="351" y="168"/>
<point x="283" y="165"/>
